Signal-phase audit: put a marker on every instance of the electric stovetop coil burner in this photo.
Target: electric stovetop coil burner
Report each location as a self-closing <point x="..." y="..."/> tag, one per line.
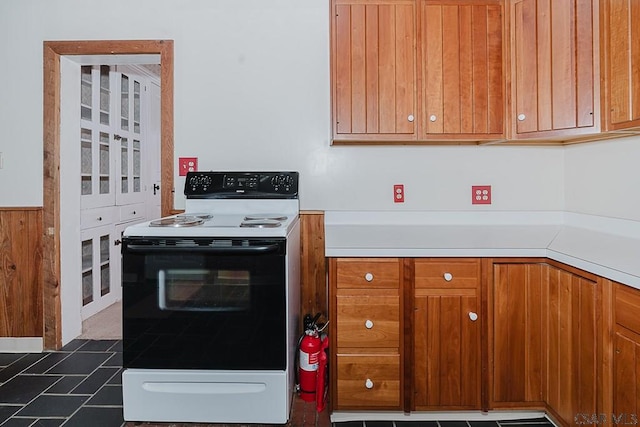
<point x="184" y="221"/>
<point x="261" y="223"/>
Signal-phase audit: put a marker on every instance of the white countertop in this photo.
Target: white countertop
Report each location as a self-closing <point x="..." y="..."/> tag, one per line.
<point x="607" y="247"/>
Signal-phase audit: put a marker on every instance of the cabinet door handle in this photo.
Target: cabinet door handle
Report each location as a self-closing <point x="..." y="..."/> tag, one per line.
<point x="433" y="118"/>
<point x="448" y="276"/>
<point x="521" y="117"/>
<point x="117" y="242"/>
<point x="368" y="324"/>
<point x="368" y="384"/>
<point x="473" y="316"/>
<point x="410" y="118"/>
<point x="368" y="277"/>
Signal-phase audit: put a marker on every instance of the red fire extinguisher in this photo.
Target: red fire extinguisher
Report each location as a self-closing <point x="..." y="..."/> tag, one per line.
<point x="321" y="386"/>
<point x="310" y="347"/>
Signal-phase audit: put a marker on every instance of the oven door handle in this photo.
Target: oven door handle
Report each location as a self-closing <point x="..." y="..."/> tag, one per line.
<point x="234" y="250"/>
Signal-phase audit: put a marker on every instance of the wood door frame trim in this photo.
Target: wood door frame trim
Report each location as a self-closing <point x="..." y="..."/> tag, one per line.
<point x="53" y="50"/>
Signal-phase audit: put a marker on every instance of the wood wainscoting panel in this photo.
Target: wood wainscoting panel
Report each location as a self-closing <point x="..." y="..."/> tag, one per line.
<point x="313" y="297"/>
<point x="21" y="272"/>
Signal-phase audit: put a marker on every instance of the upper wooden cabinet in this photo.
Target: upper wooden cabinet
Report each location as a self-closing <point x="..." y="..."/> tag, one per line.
<point x="460" y="53"/>
<point x="554" y="67"/>
<point x="373" y="69"/>
<point x="621" y="59"/>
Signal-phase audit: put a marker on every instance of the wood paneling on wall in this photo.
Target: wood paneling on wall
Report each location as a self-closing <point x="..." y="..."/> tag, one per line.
<point x="313" y="266"/>
<point x="21" y="272"/>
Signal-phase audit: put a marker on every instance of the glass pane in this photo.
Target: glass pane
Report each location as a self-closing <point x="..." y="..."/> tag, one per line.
<point x="124" y="157"/>
<point x="124" y="103"/>
<point x="124" y="185"/>
<point x="87" y="254"/>
<point x="87" y="287"/>
<point x="85" y="185"/>
<point x="136" y="107"/>
<point x="105" y="94"/>
<point x="136" y="159"/>
<point x="85" y="113"/>
<point x="136" y="184"/>
<point x="86" y="165"/>
<point x="104" y="185"/>
<point x="85" y="92"/>
<point x="105" y="286"/>
<point x="104" y="249"/>
<point x="104" y="77"/>
<point x="104" y="153"/>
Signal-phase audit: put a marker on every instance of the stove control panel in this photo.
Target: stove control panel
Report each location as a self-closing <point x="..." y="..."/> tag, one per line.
<point x="239" y="185"/>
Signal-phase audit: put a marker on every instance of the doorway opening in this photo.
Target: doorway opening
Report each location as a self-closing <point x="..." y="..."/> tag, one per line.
<point x="53" y="52"/>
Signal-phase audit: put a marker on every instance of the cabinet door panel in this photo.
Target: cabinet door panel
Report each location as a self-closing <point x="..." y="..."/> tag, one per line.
<point x="554" y="66"/>
<point x="462" y="68"/>
<point x="624" y="62"/>
<point x="572" y="346"/>
<point x="518" y="323"/>
<point x="374" y="68"/>
<point x="626" y="386"/>
<point x="446" y="351"/>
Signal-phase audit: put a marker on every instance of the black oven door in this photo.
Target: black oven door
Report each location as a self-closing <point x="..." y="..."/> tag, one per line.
<point x="204" y="303"/>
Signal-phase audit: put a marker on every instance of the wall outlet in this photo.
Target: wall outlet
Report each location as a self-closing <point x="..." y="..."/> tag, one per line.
<point x="480" y="194"/>
<point x="187" y="164"/>
<point x="398" y="193"/>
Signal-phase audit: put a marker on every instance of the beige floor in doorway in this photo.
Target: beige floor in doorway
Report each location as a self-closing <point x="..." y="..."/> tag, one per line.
<point x="104" y="325"/>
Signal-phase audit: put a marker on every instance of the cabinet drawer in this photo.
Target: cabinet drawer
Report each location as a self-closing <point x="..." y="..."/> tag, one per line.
<point x="368" y="380"/>
<point x="368" y="321"/>
<point x="90" y="218"/>
<point x="132" y="212"/>
<point x="627" y="307"/>
<point x="368" y="273"/>
<point x="447" y="273"/>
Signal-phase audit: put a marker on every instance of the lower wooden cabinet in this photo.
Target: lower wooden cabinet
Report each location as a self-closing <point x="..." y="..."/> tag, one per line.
<point x="429" y="334"/>
<point x="446" y="334"/>
<point x="545" y="339"/>
<point x="626" y="355"/>
<point x="366" y="333"/>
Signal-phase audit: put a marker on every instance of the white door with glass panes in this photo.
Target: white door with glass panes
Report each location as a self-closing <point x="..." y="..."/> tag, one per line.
<point x="100" y="262"/>
<point x="112" y="144"/>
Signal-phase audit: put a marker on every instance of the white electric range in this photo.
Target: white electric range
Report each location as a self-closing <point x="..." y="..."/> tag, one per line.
<point x="211" y="303"/>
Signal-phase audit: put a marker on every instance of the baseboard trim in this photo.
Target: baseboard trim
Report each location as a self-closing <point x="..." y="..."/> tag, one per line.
<point x="494" y="415"/>
<point x="21" y="345"/>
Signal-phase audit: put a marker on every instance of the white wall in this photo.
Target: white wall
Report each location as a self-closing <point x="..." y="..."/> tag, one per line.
<point x="252" y="92"/>
<point x="603" y="178"/>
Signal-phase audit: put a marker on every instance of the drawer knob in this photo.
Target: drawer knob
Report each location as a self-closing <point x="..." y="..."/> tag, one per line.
<point x="368" y="384"/>
<point x="368" y="324"/>
<point x="473" y="316"/>
<point x="448" y="276"/>
<point x="99" y="218"/>
<point x="368" y="277"/>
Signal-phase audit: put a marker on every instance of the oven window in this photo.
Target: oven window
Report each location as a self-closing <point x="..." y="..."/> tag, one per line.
<point x="204" y="290"/>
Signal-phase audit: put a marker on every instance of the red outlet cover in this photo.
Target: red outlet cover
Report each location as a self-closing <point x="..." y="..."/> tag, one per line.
<point x="398" y="193"/>
<point x="480" y="194"/>
<point x="187" y="164"/>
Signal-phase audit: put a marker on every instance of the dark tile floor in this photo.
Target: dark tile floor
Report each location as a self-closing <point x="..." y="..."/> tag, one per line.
<point x="81" y="386"/>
